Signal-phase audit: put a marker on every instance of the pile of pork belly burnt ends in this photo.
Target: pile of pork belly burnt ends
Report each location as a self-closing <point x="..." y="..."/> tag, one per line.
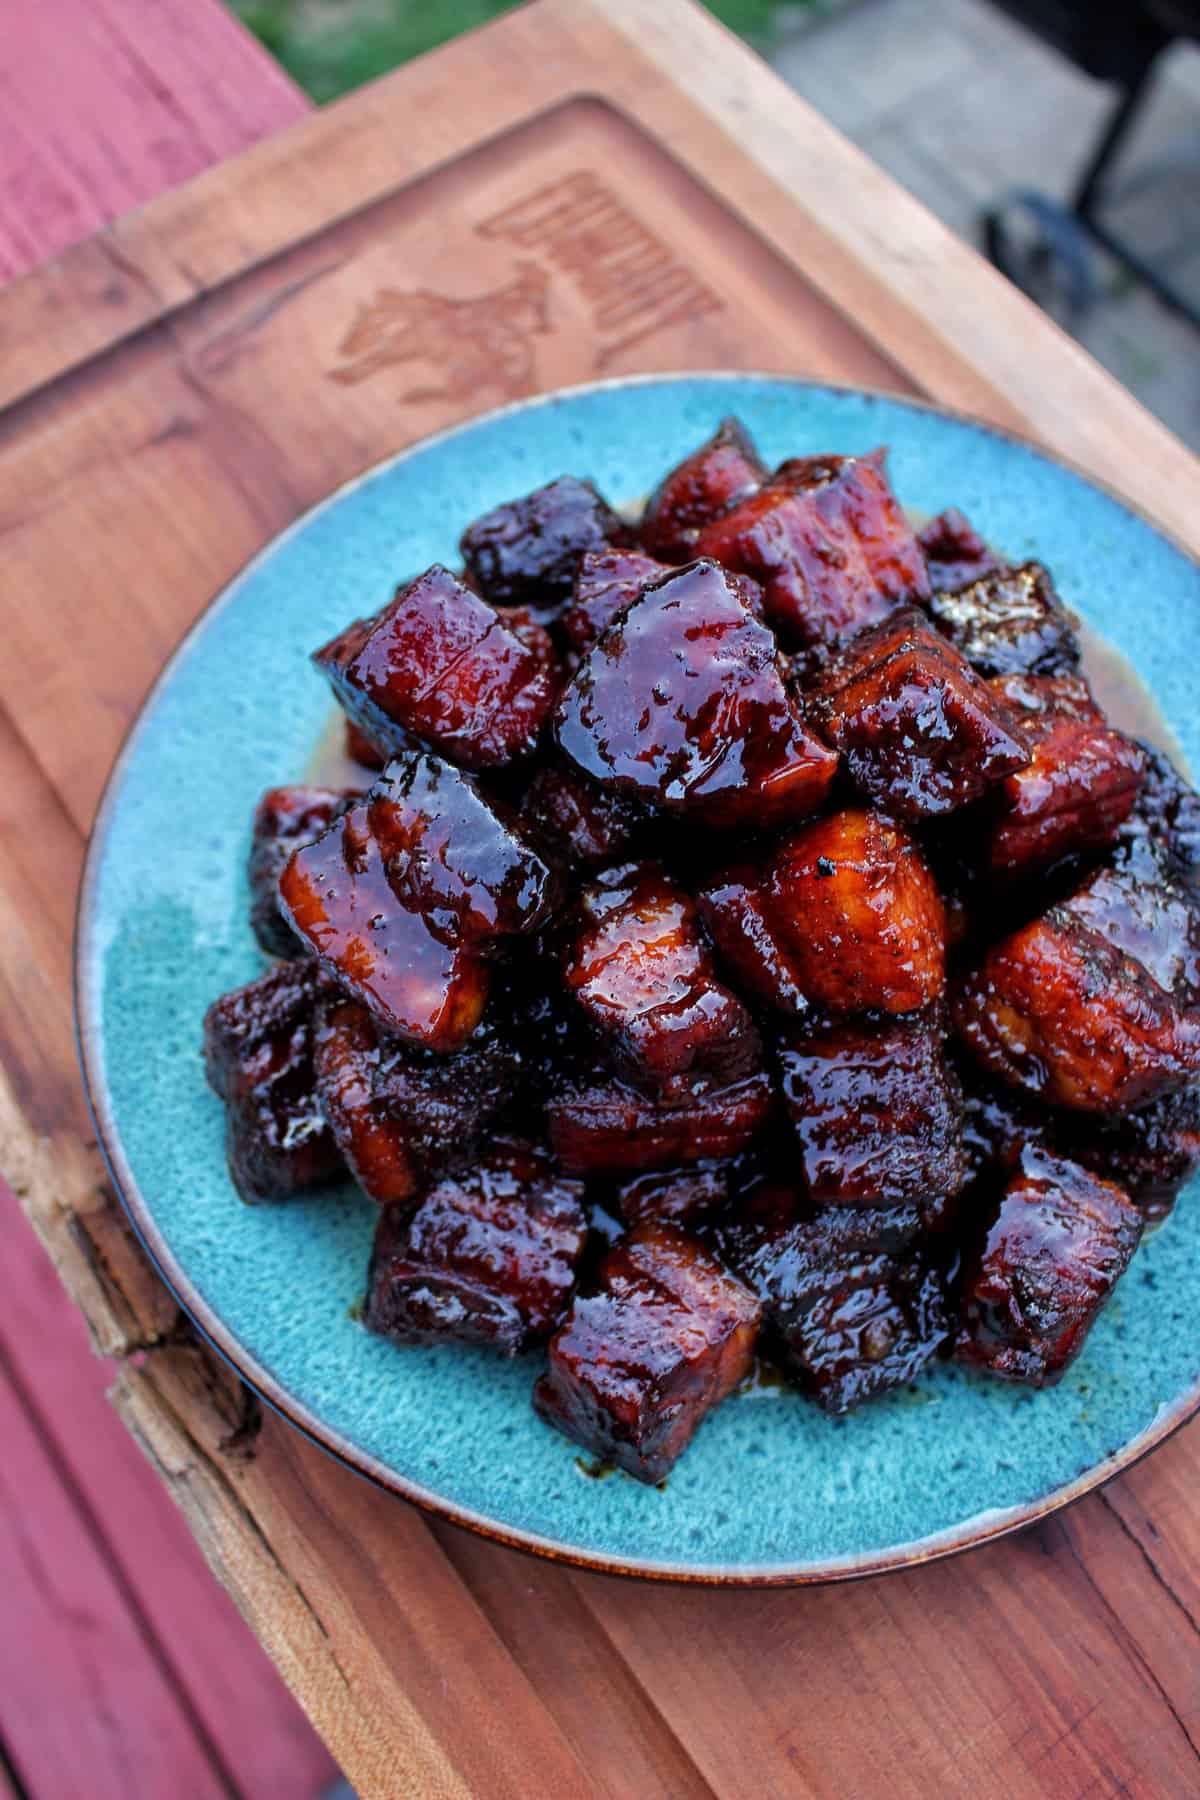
<point x="749" y="936"/>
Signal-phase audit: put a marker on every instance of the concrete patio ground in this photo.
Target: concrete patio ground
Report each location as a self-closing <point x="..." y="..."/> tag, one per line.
<point x="961" y="105"/>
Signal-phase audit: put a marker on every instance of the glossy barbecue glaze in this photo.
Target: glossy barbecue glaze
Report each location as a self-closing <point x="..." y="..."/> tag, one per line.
<point x="846" y="1314"/>
<point x="876" y="1110"/>
<point x="258" y="1053"/>
<point x="285" y="818"/>
<point x="921" y="733"/>
<point x="403" y="898"/>
<point x="639" y="965"/>
<point x="1048" y="1260"/>
<point x="830" y="545"/>
<point x="700" y="489"/>
<point x="440" y="667"/>
<point x="488" y="1257"/>
<point x="666" y="1334"/>
<point x="683" y="703"/>
<point x="527" y="552"/>
<point x="1009" y="622"/>
<point x="1079" y="786"/>
<point x="758" y="925"/>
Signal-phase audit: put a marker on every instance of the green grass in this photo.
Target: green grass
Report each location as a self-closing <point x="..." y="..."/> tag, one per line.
<point x="330" y="46"/>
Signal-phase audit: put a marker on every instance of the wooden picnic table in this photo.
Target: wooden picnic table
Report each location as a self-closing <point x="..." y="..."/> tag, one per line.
<point x="173" y="390"/>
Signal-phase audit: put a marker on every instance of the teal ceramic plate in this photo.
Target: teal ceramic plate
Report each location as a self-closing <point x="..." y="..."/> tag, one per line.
<point x="771" y="1490"/>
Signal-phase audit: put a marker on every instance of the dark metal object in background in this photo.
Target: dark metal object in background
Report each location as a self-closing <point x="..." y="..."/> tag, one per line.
<point x="1045" y="245"/>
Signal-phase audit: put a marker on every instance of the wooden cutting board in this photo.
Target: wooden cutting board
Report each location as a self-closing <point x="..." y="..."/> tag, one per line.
<point x="584" y="189"/>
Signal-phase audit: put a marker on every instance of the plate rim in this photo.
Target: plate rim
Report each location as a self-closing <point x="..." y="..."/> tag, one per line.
<point x="981" y="1529"/>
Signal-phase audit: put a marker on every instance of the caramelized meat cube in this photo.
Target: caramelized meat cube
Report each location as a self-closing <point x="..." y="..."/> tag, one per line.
<point x="258" y="1051"/>
<point x="1149" y="1153"/>
<point x="608" y="581"/>
<point x="1054" y="1251"/>
<point x="997" y="1123"/>
<point x="442" y="666"/>
<point x="1162" y="834"/>
<point x="600" y="1126"/>
<point x="954" y="552"/>
<point x="1009" y="622"/>
<point x="1093" y="1005"/>
<point x="846" y="1317"/>
<point x="487" y="1258"/>
<point x="830" y="544"/>
<point x="405" y="895"/>
<point x="921" y="733"/>
<point x="1079" y="785"/>
<point x="734" y="909"/>
<point x="527" y="552"/>
<point x="285" y="818"/>
<point x="860" y="914"/>
<point x="683" y="703"/>
<point x="639" y="966"/>
<point x="445" y="1103"/>
<point x="683" y="1197"/>
<point x="876" y="1110"/>
<point x="374" y="1145"/>
<point x="577" y="819"/>
<point x="704" y="485"/>
<point x="637" y="1363"/>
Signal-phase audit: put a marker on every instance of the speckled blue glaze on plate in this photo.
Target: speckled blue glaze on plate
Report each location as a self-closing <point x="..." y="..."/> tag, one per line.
<point x="771" y="1489"/>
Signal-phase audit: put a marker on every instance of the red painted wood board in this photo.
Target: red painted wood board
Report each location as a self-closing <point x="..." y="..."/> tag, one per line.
<point x="230" y="1699"/>
<point x="104" y="103"/>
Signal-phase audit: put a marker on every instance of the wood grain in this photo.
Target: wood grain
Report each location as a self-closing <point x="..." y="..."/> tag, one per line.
<point x="150" y="444"/>
<point x="104" y="103"/>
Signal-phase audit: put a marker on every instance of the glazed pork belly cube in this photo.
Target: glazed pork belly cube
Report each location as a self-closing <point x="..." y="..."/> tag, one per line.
<point x="734" y="909"/>
<point x="922" y="734"/>
<point x="608" y="581"/>
<point x="846" y="1316"/>
<point x="636" y="1365"/>
<point x="1055" y="1248"/>
<point x="258" y="1051"/>
<point x="1162" y="833"/>
<point x="488" y="1257"/>
<point x="285" y="818"/>
<point x="577" y="819"/>
<point x="441" y="666"/>
<point x="1092" y="1006"/>
<point x="1149" y="1153"/>
<point x="685" y="1197"/>
<point x="345" y="1057"/>
<point x="401" y="1114"/>
<point x="683" y="704"/>
<point x="1080" y="783"/>
<point x="527" y="552"/>
<point x="446" y="1103"/>
<point x="639" y="965"/>
<point x="699" y="489"/>
<point x="406" y="895"/>
<point x="830" y="545"/>
<point x="599" y="1125"/>
<point x="1009" y="622"/>
<point x="876" y="1110"/>
<point x="859" y="912"/>
<point x="954" y="552"/>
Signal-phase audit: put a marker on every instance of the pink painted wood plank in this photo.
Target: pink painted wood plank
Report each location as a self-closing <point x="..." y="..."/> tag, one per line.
<point x="104" y="103"/>
<point x="186" y="1623"/>
<point x="87" y="1713"/>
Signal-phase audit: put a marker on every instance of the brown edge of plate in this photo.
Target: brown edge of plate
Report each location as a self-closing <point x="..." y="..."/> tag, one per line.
<point x="984" y="1528"/>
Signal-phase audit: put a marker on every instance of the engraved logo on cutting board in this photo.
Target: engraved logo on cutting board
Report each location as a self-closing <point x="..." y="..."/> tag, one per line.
<point x="632" y="283"/>
<point x="575" y="228"/>
<point x="461" y="346"/>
